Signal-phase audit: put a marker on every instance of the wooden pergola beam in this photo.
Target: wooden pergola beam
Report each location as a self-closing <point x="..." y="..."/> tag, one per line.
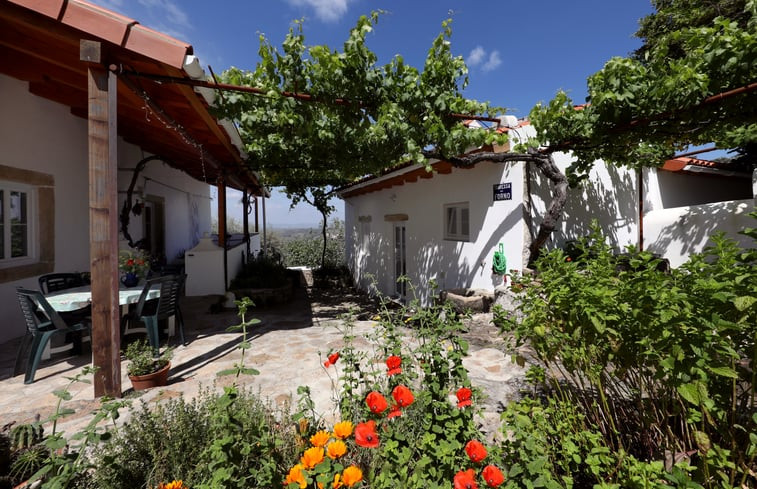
<point x="103" y="220"/>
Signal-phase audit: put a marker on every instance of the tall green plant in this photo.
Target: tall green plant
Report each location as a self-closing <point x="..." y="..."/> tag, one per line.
<point x="663" y="364"/>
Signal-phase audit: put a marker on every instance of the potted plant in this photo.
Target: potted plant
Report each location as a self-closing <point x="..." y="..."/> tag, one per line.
<point x="144" y="370"/>
<point x="132" y="266"/>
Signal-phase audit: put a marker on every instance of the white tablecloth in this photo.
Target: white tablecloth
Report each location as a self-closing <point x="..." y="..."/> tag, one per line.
<point x="80" y="297"/>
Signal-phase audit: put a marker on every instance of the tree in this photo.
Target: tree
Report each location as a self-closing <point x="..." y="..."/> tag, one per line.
<point x="368" y="117"/>
<point x="693" y="84"/>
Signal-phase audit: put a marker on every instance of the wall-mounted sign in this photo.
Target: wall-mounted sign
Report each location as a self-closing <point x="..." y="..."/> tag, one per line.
<point x="503" y="191"/>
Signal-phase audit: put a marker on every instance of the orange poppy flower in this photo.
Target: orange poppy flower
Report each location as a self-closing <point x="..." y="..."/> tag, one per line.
<point x="393" y="364"/>
<point x="464" y="397"/>
<point x="376" y="402"/>
<point x="296" y="475"/>
<point x="465" y="480"/>
<point x="343" y="429"/>
<point x="475" y="450"/>
<point x="320" y="439"/>
<point x="403" y="396"/>
<point x="493" y="476"/>
<point x="336" y="449"/>
<point x="337" y="481"/>
<point x="312" y="457"/>
<point x="175" y="484"/>
<point x="352" y="475"/>
<point x="365" y="434"/>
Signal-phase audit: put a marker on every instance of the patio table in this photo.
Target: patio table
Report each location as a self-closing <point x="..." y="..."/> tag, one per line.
<point x="80" y="297"/>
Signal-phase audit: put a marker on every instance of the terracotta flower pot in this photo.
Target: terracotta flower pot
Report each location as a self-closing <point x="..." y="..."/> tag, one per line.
<point x="147" y="381"/>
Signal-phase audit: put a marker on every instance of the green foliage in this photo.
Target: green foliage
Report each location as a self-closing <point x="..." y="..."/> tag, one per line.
<point x="244" y="345"/>
<point x="424" y="447"/>
<point x="306" y="251"/>
<point x="644" y="109"/>
<point x="366" y="117"/>
<point x="550" y="444"/>
<point x="662" y="364"/>
<point x="228" y="440"/>
<point x="260" y="272"/>
<point x="141" y="359"/>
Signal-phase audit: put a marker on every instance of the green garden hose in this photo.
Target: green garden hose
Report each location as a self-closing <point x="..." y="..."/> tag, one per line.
<point x="499" y="262"/>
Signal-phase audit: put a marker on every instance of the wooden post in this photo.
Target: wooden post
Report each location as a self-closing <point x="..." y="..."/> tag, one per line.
<point x="246" y="220"/>
<point x="103" y="220"/>
<point x="222" y="226"/>
<point x="257" y="224"/>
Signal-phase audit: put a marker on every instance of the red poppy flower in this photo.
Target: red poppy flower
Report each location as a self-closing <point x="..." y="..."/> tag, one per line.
<point x="332" y="359"/>
<point x="365" y="434"/>
<point x="393" y="364"/>
<point x="376" y="402"/>
<point x="403" y="396"/>
<point x="465" y="480"/>
<point x="464" y="397"/>
<point x="394" y="412"/>
<point x="493" y="476"/>
<point x="475" y="450"/>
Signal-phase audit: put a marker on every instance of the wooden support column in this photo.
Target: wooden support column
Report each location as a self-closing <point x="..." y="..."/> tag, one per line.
<point x="246" y="220"/>
<point x="103" y="220"/>
<point x="222" y="226"/>
<point x="257" y="224"/>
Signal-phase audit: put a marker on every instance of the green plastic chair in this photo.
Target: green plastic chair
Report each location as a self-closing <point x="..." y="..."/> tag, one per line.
<point x="151" y="311"/>
<point x="42" y="323"/>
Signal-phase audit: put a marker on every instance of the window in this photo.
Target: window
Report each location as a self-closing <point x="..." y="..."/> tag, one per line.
<point x="16" y="238"/>
<point x="27" y="223"/>
<point x="457" y="222"/>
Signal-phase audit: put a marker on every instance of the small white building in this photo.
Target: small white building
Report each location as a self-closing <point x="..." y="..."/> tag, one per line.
<point x="46" y="178"/>
<point x="446" y="225"/>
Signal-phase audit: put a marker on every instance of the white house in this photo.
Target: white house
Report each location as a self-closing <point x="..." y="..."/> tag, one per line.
<point x="447" y="225"/>
<point x="47" y="178"/>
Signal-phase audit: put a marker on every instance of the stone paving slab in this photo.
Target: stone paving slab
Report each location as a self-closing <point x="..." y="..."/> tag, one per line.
<point x="288" y="348"/>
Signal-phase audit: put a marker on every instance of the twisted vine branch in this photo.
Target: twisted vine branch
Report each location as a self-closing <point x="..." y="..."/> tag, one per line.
<point x="546" y="165"/>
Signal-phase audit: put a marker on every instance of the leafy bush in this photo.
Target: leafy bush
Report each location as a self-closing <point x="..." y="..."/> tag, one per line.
<point x="307" y="251"/>
<point x="260" y="272"/>
<point x="176" y="441"/>
<point x="662" y="364"/>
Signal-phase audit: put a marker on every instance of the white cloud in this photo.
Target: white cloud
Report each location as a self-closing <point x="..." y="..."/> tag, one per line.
<point x="493" y="62"/>
<point x="476" y="56"/>
<point x="326" y="10"/>
<point x="168" y="10"/>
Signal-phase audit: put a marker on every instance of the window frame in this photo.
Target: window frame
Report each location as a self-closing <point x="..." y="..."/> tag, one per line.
<point x="32" y="242"/>
<point x="41" y="217"/>
<point x="457" y="234"/>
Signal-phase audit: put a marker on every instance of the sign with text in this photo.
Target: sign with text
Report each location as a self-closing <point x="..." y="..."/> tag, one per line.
<point x="503" y="191"/>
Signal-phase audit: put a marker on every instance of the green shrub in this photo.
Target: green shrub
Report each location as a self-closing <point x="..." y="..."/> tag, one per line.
<point x="307" y="251"/>
<point x="175" y="441"/>
<point x="663" y="364"/>
<point x="260" y="272"/>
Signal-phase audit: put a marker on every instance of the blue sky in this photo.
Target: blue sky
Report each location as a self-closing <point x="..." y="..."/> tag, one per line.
<point x="519" y="52"/>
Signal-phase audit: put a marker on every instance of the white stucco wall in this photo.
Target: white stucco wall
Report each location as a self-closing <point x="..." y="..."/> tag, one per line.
<point x="186" y="200"/>
<point x="678" y="232"/>
<point x="610" y="196"/>
<point x="452" y="264"/>
<point x="667" y="190"/>
<point x="40" y="135"/>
